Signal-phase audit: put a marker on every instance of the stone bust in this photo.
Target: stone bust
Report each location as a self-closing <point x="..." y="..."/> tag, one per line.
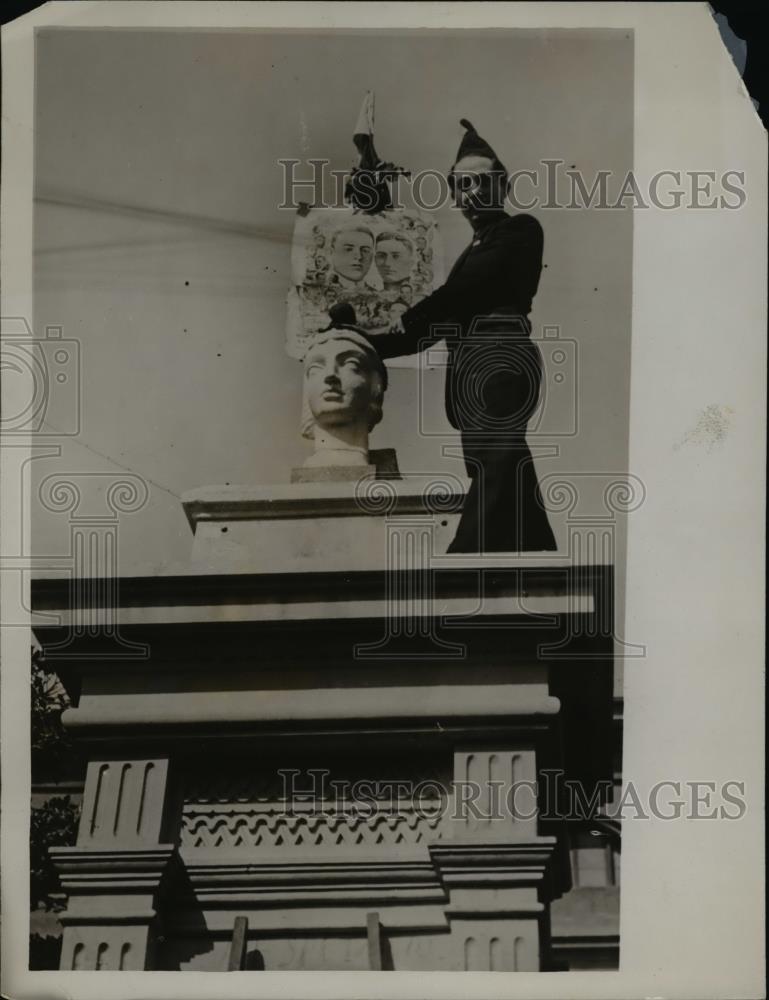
<point x="344" y="385"/>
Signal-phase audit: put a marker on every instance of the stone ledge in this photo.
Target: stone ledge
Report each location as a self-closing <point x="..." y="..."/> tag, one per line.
<point x="368" y="497"/>
<point x="319" y="704"/>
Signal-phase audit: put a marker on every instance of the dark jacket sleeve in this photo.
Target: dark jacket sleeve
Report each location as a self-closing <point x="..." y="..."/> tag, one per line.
<point x="503" y="271"/>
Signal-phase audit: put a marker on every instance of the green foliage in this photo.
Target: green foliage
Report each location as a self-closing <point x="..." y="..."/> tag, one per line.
<point x="54" y="823"/>
<point x="51" y="825"/>
<point x="51" y="747"/>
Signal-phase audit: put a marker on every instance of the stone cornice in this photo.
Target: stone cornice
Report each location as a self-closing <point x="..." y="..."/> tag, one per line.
<point x="360" y="706"/>
<point x="452" y="575"/>
<point x="494" y="863"/>
<point x="539" y="592"/>
<point x="87" y="869"/>
<point x="372" y="497"/>
<point x="307" y="882"/>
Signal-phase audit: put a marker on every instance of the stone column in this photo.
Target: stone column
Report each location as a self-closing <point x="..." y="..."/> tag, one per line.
<point x="116" y="874"/>
<point x="496" y="870"/>
<point x="495" y="794"/>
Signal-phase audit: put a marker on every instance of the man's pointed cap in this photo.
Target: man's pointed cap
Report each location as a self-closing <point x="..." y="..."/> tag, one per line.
<point x="473" y="145"/>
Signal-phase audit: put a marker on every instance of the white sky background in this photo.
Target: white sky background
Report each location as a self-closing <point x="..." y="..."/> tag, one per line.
<point x="189" y="385"/>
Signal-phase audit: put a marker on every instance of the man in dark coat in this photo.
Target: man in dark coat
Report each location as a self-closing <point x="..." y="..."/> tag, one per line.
<point x="494" y="369"/>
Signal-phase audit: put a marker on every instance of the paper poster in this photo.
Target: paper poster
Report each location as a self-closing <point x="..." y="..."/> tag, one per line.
<point x="380" y="264"/>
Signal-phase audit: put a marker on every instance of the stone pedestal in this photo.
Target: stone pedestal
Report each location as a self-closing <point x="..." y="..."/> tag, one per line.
<point x="383" y="464"/>
<point x="118" y="871"/>
<point x="320" y="525"/>
<point x="294" y="644"/>
<point x="113" y="918"/>
<point x="498" y="902"/>
<point x="332" y="473"/>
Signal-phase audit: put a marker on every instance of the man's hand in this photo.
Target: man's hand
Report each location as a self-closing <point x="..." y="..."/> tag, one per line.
<point x="378" y="331"/>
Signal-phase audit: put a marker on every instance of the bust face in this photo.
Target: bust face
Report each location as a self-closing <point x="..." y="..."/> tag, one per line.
<point x="339" y="380"/>
<point x="352" y="252"/>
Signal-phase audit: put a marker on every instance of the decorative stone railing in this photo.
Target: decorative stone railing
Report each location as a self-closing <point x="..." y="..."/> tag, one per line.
<point x="278" y="824"/>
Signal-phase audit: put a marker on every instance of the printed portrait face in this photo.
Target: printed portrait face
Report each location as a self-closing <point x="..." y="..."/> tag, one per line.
<point x="394" y="258"/>
<point x="352" y="251"/>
